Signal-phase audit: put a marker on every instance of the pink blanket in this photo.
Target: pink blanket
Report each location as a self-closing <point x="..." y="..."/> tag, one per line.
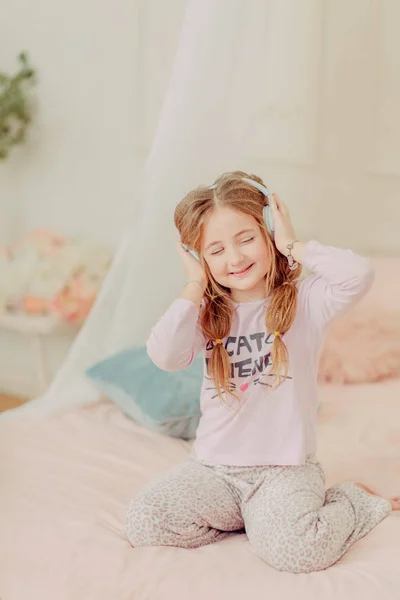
<point x="66" y="481"/>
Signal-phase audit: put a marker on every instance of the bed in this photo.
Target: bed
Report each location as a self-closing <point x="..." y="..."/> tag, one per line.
<point x="66" y="480"/>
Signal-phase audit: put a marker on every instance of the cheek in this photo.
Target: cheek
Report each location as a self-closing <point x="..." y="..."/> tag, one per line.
<point x="217" y="268"/>
<point x="260" y="254"/>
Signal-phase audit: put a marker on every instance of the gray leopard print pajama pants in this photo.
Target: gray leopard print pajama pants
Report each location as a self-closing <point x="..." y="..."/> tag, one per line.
<point x="291" y="522"/>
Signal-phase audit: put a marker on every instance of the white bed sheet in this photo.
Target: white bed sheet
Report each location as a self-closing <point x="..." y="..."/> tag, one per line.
<point x="66" y="480"/>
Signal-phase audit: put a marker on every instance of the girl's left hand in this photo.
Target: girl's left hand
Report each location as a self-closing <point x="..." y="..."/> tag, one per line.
<point x="284" y="230"/>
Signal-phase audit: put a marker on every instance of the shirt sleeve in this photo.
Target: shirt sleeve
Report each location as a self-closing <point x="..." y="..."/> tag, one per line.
<point x="340" y="279"/>
<point x="177" y="337"/>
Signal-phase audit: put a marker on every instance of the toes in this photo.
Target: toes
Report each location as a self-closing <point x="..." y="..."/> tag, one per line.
<point x="395" y="502"/>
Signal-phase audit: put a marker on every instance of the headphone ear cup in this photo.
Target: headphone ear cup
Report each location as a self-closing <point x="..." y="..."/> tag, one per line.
<point x="192" y="252"/>
<point x="269" y="220"/>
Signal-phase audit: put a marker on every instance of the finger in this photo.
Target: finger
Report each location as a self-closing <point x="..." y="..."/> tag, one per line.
<point x="276" y="206"/>
<point x="281" y="205"/>
<point x="273" y="203"/>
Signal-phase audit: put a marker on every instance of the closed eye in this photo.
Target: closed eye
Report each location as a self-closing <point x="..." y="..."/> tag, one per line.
<point x="246" y="241"/>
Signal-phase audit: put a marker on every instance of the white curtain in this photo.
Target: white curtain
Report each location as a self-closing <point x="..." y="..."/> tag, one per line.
<point x="192" y="145"/>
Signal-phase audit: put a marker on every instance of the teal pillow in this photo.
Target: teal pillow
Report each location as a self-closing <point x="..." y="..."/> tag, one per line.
<point x="167" y="402"/>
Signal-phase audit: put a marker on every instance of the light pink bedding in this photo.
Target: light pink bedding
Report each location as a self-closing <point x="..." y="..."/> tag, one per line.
<point x="66" y="481"/>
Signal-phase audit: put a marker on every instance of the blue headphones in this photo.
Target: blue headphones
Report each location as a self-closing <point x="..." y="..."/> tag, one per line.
<point x="267" y="213"/>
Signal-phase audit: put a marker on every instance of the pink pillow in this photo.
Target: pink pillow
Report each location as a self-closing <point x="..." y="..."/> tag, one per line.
<point x="363" y="345"/>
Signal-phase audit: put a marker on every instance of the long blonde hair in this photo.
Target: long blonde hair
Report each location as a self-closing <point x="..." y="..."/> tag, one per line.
<point x="216" y="316"/>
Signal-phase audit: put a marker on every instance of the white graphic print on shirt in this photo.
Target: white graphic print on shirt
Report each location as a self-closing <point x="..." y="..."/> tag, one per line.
<point x="250" y="370"/>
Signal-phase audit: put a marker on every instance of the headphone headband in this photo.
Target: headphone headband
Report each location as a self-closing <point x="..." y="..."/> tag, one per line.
<point x="255" y="184"/>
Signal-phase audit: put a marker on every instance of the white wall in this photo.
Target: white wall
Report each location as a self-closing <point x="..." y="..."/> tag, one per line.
<point x="79" y="166"/>
<point x="103" y="69"/>
<point x="79" y="171"/>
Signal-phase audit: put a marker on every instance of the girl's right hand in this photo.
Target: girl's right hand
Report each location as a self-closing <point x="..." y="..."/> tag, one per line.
<point x="193" y="269"/>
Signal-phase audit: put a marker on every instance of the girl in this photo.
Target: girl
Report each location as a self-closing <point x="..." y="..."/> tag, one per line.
<point x="253" y="465"/>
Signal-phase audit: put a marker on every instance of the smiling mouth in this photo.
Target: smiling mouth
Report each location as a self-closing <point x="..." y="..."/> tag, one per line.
<point x="242" y="272"/>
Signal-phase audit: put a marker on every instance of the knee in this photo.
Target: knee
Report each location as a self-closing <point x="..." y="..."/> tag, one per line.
<point x="151" y="521"/>
<point x="141" y="527"/>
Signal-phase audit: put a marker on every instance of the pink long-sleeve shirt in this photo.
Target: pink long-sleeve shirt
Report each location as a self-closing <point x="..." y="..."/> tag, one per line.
<point x="272" y="426"/>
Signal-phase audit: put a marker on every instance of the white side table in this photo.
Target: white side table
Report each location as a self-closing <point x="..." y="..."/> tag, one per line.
<point x="36" y="327"/>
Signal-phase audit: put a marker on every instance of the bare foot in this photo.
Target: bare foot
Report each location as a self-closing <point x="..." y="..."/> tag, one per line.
<point x="395" y="501"/>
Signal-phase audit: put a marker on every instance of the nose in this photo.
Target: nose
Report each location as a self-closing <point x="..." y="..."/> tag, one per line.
<point x="235" y="257"/>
